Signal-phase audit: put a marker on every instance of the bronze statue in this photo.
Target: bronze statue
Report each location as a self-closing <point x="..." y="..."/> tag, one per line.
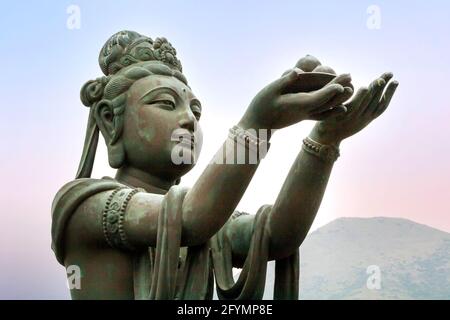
<point x="141" y="236"/>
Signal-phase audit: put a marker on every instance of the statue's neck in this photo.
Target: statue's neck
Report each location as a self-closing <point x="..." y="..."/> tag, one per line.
<point x="141" y="179"/>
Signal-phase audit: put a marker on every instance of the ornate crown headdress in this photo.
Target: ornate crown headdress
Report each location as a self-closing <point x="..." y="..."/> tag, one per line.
<point x="127" y="47"/>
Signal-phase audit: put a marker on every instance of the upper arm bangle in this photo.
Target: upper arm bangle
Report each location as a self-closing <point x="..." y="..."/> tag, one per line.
<point x="114" y="215"/>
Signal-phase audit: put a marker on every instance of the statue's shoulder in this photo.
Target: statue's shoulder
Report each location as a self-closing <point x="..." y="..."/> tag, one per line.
<point x="80" y="188"/>
<point x="68" y="200"/>
<point x="75" y="192"/>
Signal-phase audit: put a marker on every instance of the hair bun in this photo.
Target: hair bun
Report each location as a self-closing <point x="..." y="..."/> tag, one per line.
<point x="127" y="47"/>
<point x="92" y="91"/>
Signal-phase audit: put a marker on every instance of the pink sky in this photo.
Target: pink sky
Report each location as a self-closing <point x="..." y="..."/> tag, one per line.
<point x="398" y="167"/>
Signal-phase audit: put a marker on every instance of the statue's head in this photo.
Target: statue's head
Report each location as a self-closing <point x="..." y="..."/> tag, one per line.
<point x="140" y="106"/>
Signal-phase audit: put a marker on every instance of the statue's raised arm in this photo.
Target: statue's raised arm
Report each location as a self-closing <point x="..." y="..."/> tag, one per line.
<point x="296" y="206"/>
<point x="139" y="235"/>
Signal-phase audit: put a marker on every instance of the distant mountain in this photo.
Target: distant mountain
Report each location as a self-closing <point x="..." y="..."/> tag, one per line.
<point x="373" y="258"/>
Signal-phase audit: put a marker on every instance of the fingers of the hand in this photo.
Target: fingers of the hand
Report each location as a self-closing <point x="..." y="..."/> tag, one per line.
<point x="330" y="113"/>
<point x="387" y="76"/>
<point x="336" y="100"/>
<point x="344" y="80"/>
<point x="288" y="78"/>
<point x="386" y="99"/>
<point x="357" y="99"/>
<point x="374" y="88"/>
<point x="379" y="86"/>
<point x="322" y="96"/>
<point x="340" y="98"/>
<point x="311" y="100"/>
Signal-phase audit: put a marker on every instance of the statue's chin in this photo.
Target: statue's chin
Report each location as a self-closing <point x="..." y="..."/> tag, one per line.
<point x="182" y="168"/>
<point x="184" y="155"/>
<point x="172" y="171"/>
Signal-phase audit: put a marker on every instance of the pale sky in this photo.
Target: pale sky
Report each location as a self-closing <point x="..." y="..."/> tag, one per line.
<point x="397" y="167"/>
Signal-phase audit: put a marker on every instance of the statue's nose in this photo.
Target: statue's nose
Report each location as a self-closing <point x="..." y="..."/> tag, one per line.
<point x="187" y="120"/>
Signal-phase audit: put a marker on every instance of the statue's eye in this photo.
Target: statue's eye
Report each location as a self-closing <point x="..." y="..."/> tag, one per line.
<point x="169" y="102"/>
<point x="165" y="102"/>
<point x="161" y="100"/>
<point x="196" y="111"/>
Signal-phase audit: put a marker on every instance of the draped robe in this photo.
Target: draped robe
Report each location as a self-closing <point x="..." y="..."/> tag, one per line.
<point x="169" y="271"/>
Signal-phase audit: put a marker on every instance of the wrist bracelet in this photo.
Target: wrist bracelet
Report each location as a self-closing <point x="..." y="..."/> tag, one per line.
<point x="328" y="153"/>
<point x="246" y="138"/>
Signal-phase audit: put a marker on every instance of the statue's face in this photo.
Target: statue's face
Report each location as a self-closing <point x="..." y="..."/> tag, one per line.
<point x="160" y="109"/>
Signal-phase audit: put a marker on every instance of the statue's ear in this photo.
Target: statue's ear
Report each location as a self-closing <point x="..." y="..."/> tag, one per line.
<point x="104" y="116"/>
<point x="110" y="126"/>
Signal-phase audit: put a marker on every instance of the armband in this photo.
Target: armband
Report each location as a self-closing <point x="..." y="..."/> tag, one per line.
<point x="114" y="215"/>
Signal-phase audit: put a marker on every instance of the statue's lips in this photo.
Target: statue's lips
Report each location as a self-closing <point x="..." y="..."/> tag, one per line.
<point x="186" y="140"/>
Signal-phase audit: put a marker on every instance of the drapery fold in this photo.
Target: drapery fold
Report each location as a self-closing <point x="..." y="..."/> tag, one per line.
<point x="251" y="281"/>
<point x="173" y="272"/>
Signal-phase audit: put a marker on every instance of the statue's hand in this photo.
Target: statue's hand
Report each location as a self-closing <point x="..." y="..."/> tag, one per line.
<point x="365" y="106"/>
<point x="278" y="106"/>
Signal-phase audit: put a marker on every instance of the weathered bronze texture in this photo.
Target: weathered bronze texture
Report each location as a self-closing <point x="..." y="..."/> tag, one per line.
<point x="142" y="236"/>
